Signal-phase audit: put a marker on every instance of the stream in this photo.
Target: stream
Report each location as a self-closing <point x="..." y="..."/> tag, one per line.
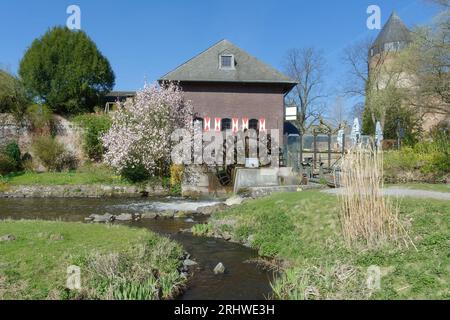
<point x="242" y="280"/>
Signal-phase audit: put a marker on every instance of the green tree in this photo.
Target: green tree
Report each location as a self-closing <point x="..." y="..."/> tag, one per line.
<point x="428" y="60"/>
<point x="387" y="104"/>
<point x="65" y="70"/>
<point x="12" y="95"/>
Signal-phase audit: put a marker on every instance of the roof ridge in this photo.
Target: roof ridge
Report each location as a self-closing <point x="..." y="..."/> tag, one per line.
<point x="204" y="67"/>
<point x="198" y="54"/>
<point x="260" y="61"/>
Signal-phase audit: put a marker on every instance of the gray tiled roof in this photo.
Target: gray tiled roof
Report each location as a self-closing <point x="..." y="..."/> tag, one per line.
<point x="205" y="68"/>
<point x="394" y="31"/>
<point x="121" y="94"/>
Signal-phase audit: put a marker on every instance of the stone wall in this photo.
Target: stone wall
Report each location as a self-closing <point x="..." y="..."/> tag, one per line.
<point x="69" y="134"/>
<point x="10" y="129"/>
<point x="82" y="191"/>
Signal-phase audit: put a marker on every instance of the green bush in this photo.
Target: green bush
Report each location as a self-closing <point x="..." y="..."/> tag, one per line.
<point x="12" y="151"/>
<point x="431" y="158"/>
<point x="53" y="154"/>
<point x="7" y="165"/>
<point x="10" y="158"/>
<point x="13" y="98"/>
<point x="94" y="125"/>
<point x="135" y="173"/>
<point x="40" y="117"/>
<point x="27" y="162"/>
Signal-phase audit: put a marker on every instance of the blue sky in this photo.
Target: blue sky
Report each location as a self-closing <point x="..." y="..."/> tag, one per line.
<point x="145" y="39"/>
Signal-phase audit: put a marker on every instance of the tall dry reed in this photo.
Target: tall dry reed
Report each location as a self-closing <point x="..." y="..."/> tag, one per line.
<point x="365" y="215"/>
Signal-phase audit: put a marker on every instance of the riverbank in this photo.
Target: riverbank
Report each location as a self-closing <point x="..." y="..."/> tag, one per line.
<point x="88" y="182"/>
<point x="202" y="283"/>
<point x="116" y="262"/>
<point x="302" y="231"/>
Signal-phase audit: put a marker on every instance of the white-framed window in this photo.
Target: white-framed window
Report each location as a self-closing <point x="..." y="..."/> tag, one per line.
<point x="226" y="61"/>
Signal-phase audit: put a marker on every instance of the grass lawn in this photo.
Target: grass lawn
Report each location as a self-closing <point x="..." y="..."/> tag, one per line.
<point x="116" y="262"/>
<point x="302" y="229"/>
<point x="424" y="186"/>
<point x="84" y="176"/>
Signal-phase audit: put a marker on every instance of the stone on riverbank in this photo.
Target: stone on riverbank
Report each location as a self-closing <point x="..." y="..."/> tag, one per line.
<point x="226" y="236"/>
<point x="189" y="263"/>
<point x="234" y="200"/>
<point x="209" y="210"/>
<point x="167" y="214"/>
<point x="102" y="218"/>
<point x="181" y="214"/>
<point x="249" y="241"/>
<point x="219" y="269"/>
<point x="149" y="215"/>
<point x="124" y="217"/>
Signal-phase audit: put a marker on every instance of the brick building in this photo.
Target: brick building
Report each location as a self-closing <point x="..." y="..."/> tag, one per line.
<point x="230" y="89"/>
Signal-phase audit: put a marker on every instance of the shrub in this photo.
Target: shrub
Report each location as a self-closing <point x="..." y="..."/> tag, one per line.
<point x="13" y="98"/>
<point x="12" y="151"/>
<point x="94" y="125"/>
<point x="135" y="173"/>
<point x="67" y="161"/>
<point x="7" y="165"/>
<point x="53" y="154"/>
<point x="40" y="117"/>
<point x="10" y="158"/>
<point x="427" y="160"/>
<point x="176" y="174"/>
<point x="27" y="162"/>
<point x="176" y="177"/>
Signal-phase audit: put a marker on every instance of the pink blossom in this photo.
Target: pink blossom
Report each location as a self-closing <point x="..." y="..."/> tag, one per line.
<point x="141" y="129"/>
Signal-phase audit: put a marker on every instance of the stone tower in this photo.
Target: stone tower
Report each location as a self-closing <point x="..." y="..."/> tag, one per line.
<point x="394" y="37"/>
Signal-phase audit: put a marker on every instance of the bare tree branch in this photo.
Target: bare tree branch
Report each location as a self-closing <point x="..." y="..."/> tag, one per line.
<point x="306" y="66"/>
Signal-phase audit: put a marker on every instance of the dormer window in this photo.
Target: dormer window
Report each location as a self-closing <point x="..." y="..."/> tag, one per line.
<point x="226" y="62"/>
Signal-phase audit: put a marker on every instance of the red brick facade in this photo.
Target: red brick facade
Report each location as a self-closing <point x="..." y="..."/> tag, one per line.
<point x="238" y="100"/>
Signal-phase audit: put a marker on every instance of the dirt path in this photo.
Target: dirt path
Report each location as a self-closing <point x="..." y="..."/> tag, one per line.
<point x="404" y="192"/>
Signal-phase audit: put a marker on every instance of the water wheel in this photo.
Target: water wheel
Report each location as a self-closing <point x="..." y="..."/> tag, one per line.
<point x="225" y="176"/>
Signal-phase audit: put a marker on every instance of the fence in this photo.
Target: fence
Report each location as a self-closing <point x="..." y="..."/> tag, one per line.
<point x="317" y="150"/>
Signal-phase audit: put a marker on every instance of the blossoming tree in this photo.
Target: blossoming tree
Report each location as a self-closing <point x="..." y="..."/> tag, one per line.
<point x="141" y="129"/>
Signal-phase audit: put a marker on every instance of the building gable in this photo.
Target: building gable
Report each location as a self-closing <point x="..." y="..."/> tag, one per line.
<point x="206" y="67"/>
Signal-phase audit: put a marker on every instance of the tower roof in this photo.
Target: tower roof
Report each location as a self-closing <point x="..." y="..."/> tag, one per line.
<point x="205" y="68"/>
<point x="394" y="36"/>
